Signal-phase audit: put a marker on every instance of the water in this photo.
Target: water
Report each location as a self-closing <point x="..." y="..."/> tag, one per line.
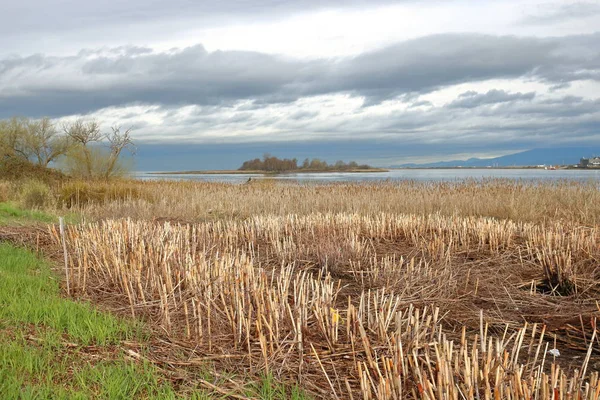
<point x="426" y="175"/>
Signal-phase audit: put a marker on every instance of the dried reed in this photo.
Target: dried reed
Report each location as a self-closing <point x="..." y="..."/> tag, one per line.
<point x="373" y="305"/>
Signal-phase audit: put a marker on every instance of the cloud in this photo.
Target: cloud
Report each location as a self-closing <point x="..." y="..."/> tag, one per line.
<point x="421" y="103"/>
<point x="432" y="62"/>
<point x="453" y="91"/>
<point x="541" y="120"/>
<point x="303" y="115"/>
<point x="473" y="99"/>
<point x="560" y="108"/>
<point x="90" y="80"/>
<point x="550" y="14"/>
<point x="41" y="15"/>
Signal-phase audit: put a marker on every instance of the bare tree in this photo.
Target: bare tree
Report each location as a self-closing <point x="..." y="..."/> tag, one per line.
<point x="12" y="134"/>
<point x="43" y="142"/>
<point x="88" y="157"/>
<point x="82" y="133"/>
<point x="118" y="141"/>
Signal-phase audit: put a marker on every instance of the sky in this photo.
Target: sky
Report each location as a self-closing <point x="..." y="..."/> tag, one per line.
<point x="382" y="82"/>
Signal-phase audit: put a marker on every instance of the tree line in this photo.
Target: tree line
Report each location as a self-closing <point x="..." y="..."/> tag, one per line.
<point x="273" y="164"/>
<point x="79" y="147"/>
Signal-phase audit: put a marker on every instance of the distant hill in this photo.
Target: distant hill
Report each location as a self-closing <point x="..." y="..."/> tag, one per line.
<point x="547" y="156"/>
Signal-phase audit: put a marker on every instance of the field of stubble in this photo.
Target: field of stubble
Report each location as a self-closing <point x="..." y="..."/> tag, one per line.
<point x="464" y="290"/>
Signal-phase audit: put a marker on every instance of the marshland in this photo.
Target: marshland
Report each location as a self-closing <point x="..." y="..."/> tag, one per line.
<point x="308" y="199"/>
<point x="471" y="289"/>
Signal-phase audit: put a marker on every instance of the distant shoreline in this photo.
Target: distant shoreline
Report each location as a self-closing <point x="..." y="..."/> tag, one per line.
<point x="238" y="172"/>
<point x="353" y="171"/>
<point x="558" y="167"/>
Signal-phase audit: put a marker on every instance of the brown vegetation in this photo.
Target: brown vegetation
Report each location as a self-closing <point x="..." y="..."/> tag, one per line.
<point x="410" y="290"/>
<point x="201" y="201"/>
<point x="16" y="169"/>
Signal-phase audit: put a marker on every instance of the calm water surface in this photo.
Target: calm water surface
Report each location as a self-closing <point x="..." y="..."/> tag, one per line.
<point x="428" y="175"/>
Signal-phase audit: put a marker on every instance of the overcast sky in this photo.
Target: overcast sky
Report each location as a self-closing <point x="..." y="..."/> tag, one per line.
<point x="443" y="78"/>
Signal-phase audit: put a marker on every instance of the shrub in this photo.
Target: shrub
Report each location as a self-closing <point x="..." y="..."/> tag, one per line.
<point x="14" y="169"/>
<point x="5" y="189"/>
<point x="78" y="193"/>
<point x="35" y="194"/>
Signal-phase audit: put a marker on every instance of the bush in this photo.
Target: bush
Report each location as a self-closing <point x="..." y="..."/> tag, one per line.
<point x="14" y="169"/>
<point x="5" y="189"/>
<point x="78" y="193"/>
<point x="35" y="194"/>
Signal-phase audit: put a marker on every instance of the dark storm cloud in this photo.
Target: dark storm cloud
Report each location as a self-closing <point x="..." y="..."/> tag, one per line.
<point x="188" y="76"/>
<point x="45" y="85"/>
<point x="435" y="61"/>
<point x="473" y="99"/>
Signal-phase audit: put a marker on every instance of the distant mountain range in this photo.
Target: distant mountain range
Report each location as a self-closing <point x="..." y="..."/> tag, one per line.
<point x="546" y="156"/>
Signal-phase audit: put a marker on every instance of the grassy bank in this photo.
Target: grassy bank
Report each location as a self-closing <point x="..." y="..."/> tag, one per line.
<point x="10" y="214"/>
<point x="51" y="347"/>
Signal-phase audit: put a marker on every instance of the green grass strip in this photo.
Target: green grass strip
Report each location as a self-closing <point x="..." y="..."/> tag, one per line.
<point x="36" y="329"/>
<point x="30" y="294"/>
<point x="10" y="213"/>
<point x="43" y="337"/>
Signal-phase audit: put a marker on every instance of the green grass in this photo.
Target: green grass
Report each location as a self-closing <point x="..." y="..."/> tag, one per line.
<point x="269" y="389"/>
<point x="10" y="213"/>
<point x="48" y="371"/>
<point x="55" y="348"/>
<point x="43" y="340"/>
<point x="30" y="294"/>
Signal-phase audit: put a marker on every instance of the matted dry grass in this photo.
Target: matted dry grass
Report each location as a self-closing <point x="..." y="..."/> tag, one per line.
<point x="363" y="291"/>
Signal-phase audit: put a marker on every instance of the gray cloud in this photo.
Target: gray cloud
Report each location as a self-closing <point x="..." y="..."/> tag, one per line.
<point x="250" y="100"/>
<point x="473" y="99"/>
<point x="250" y="97"/>
<point x="554" y="109"/>
<point x="421" y="103"/>
<point x="41" y="15"/>
<point x="565" y="12"/>
<point x="561" y="120"/>
<point x="398" y="132"/>
<point x="188" y="76"/>
<point x="435" y="61"/>
<point x="303" y="115"/>
<point x="46" y="85"/>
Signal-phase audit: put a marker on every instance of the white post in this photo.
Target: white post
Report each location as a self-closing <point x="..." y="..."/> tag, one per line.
<point x="64" y="244"/>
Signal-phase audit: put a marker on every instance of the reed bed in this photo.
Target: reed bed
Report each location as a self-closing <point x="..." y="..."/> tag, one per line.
<point x="373" y="305"/>
<point x="203" y="201"/>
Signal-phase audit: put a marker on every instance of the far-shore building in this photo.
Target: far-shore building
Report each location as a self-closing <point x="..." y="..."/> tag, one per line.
<point x="589" y="162"/>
